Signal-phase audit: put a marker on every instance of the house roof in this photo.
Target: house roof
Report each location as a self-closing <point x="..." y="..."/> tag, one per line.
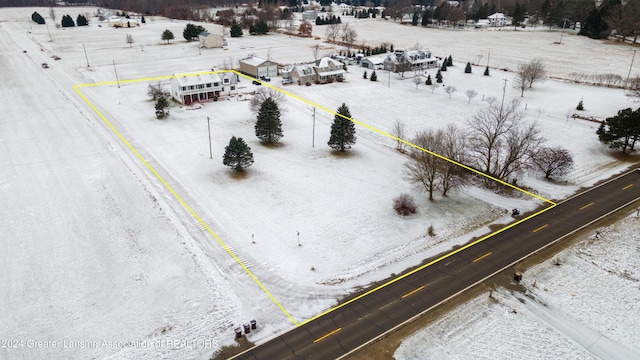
<point x="255" y="61"/>
<point x="326" y="61"/>
<point x="497" y="16"/>
<point x="191" y="79"/>
<point x="304" y="69"/>
<point x="378" y="60"/>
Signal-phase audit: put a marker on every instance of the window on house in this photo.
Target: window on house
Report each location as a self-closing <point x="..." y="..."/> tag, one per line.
<point x="184" y="88"/>
<point x="216" y="84"/>
<point x="190" y="87"/>
<point x="200" y="86"/>
<point x="233" y="87"/>
<point x="208" y="85"/>
<point x="226" y="81"/>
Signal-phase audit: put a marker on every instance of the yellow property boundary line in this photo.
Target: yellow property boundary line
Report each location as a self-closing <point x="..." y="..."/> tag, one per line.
<point x="230" y="252"/>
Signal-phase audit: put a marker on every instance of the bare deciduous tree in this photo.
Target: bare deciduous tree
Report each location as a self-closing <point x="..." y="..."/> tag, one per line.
<point x="422" y="170"/>
<point x="130" y="40"/>
<point x="520" y="81"/>
<point x="450" y="90"/>
<point x="500" y="142"/>
<point x="264" y="93"/>
<point x="349" y="35"/>
<point x="633" y="88"/>
<point x="399" y="130"/>
<point x="332" y="32"/>
<point x="52" y="14"/>
<point x="157" y="91"/>
<point x="454" y="148"/>
<point x="471" y="94"/>
<point x="553" y="161"/>
<point x="417" y="78"/>
<point x="536" y="71"/>
<point x="315" y="49"/>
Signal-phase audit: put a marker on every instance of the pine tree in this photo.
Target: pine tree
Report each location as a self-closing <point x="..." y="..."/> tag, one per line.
<point x="236" y="30"/>
<point x="486" y="71"/>
<point x="343" y="130"/>
<point x="439" y="77"/>
<point x="374" y="76"/>
<point x="81" y="20"/>
<point x="37" y="18"/>
<point x="268" y="125"/>
<point x="167" y="35"/>
<point x="580" y="106"/>
<point x="161" y="106"/>
<point x="450" y="61"/>
<point x="364" y="76"/>
<point x="142" y="20"/>
<point x="428" y="82"/>
<point x="467" y="69"/>
<point x="237" y="154"/>
<point x="444" y="65"/>
<point x="67" y="21"/>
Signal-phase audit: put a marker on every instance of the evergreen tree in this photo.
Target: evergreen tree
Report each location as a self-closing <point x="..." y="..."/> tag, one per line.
<point x="439" y="77"/>
<point x="444" y="65"/>
<point x="364" y="76"/>
<point x="450" y="61"/>
<point x="486" y="71"/>
<point x="343" y="130"/>
<point x="428" y="82"/>
<point x="161" y="105"/>
<point x="237" y="154"/>
<point x="67" y="21"/>
<point x="81" y="21"/>
<point x="37" y="18"/>
<point x="467" y="69"/>
<point x="415" y="19"/>
<point x="268" y="124"/>
<point x="260" y="28"/>
<point x="236" y="30"/>
<point x="142" y="20"/>
<point x="191" y="32"/>
<point x="167" y="35"/>
<point x="580" y="106"/>
<point x="374" y="76"/>
<point x="621" y="131"/>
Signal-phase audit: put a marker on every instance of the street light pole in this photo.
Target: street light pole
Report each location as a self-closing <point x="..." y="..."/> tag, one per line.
<point x="630" y="66"/>
<point x="85" y="55"/>
<point x="209" y="129"/>
<point x="116" y="71"/>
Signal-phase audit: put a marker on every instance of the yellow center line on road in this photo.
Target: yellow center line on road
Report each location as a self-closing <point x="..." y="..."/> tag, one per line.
<point x="586" y="206"/>
<point x="626" y="187"/>
<point x="326" y="336"/>
<point x="541" y="227"/>
<point x="482" y="257"/>
<point x="412" y="292"/>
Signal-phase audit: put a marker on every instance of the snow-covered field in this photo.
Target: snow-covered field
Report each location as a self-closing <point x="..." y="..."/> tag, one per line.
<point x="98" y="249"/>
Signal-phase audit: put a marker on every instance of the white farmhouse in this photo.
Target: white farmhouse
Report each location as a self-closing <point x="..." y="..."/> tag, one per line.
<point x="191" y="88"/>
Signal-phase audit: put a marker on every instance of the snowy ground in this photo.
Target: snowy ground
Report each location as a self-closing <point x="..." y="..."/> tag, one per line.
<point x="585" y="308"/>
<point x="100" y="250"/>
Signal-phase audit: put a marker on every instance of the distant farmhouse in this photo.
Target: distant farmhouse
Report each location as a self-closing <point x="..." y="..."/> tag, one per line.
<point x="122" y="22"/>
<point x="410" y="60"/>
<point x="498" y="20"/>
<point x="257" y="67"/>
<point x="189" y="88"/>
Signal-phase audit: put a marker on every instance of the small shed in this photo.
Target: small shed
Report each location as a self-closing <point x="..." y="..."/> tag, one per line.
<point x="257" y="67"/>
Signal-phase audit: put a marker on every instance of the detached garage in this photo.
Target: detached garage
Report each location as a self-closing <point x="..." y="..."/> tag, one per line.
<point x="257" y="67"/>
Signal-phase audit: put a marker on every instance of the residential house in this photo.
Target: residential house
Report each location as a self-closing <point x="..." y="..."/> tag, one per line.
<point x="375" y="62"/>
<point x="211" y="40"/>
<point x="329" y="70"/>
<point x="409" y="60"/>
<point x="191" y="88"/>
<point x="497" y="20"/>
<point x="121" y="22"/>
<point x="322" y="71"/>
<point x="256" y="67"/>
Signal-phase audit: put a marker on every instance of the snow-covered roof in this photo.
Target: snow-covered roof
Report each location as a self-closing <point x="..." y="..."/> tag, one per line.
<point x="378" y="60"/>
<point x="190" y="79"/>
<point x="497" y="16"/>
<point x="254" y="61"/>
<point x="326" y="61"/>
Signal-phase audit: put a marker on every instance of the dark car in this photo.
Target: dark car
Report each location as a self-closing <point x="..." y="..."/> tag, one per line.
<point x="265" y="78"/>
<point x="256" y="82"/>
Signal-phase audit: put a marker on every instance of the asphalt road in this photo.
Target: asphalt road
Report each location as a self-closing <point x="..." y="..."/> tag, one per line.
<point x="357" y="323"/>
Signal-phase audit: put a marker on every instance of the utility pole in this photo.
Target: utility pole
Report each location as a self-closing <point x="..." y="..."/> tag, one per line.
<point x="313" y="131"/>
<point x="116" y="71"/>
<point x="211" y="153"/>
<point x="504" y="89"/>
<point x="85" y="55"/>
<point x="630" y="66"/>
<point x="298" y="233"/>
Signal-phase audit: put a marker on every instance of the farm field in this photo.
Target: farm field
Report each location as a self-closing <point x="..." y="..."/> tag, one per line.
<point x="144" y="269"/>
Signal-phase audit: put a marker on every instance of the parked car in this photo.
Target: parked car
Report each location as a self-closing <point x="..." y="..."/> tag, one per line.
<point x="45" y="65"/>
<point x="256" y="82"/>
<point x="265" y="78"/>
